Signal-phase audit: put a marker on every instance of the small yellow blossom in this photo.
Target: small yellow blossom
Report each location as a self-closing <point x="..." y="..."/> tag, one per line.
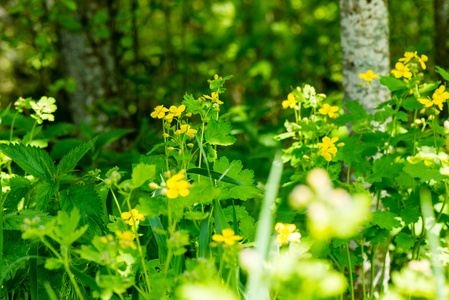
<point x="290" y="102"/>
<point x="159" y="112"/>
<point x="214" y="98"/>
<point x="287" y="233"/>
<point x="422" y="60"/>
<point x="368" y="76"/>
<point x="126" y="239"/>
<point x="132" y="216"/>
<point x="177" y="186"/>
<point x="439" y="97"/>
<point x="328" y="149"/>
<point x="401" y="71"/>
<point x="185" y="128"/>
<point x="329" y="110"/>
<point x="408" y="56"/>
<point x="227" y="236"/>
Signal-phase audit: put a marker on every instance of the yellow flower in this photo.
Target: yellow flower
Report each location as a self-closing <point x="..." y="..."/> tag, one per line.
<point x="159" y="112"/>
<point x="328" y="149"/>
<point x="408" y="56"/>
<point x="422" y="60"/>
<point x="329" y="110"/>
<point x="438" y="98"/>
<point x="177" y="186"/>
<point x="227" y="236"/>
<point x="175" y="112"/>
<point x="126" y="239"/>
<point x="214" y="98"/>
<point x="287" y="233"/>
<point x="290" y="102"/>
<point x="132" y="216"/>
<point x="185" y="128"/>
<point x="368" y="76"/>
<point x="401" y="71"/>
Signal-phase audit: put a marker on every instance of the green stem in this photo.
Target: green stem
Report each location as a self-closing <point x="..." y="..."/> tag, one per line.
<point x="72" y="278"/>
<point x="351" y="280"/>
<point x="32" y="132"/>
<point x="12" y="126"/>
<point x="363" y="269"/>
<point x="373" y="254"/>
<point x="435" y="134"/>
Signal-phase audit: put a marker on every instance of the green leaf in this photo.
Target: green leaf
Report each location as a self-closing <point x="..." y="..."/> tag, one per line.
<point x="43" y="192"/>
<point x="53" y="263"/>
<point x="32" y="160"/>
<point x="214" y="175"/>
<point x="20" y="186"/>
<point x="65" y="232"/>
<point x="242" y="192"/>
<point x="410" y="214"/>
<point x="141" y="173"/>
<point x="217" y="133"/>
<point x="385" y="219"/>
<point x="193" y="106"/>
<point x="442" y="72"/>
<point x="393" y="84"/>
<point x="69" y="161"/>
<point x="423" y="172"/>
<point x="384" y="167"/>
<point x="236" y="171"/>
<point x="404" y="241"/>
<point x="152" y="206"/>
<point x="88" y="204"/>
<point x="14" y="220"/>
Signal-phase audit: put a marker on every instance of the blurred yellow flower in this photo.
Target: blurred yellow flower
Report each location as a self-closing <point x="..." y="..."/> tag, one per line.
<point x="213" y="98"/>
<point x="438" y="98"/>
<point x="290" y="102"/>
<point x="329" y="110"/>
<point x="185" y="128"/>
<point x="401" y="71"/>
<point x="126" y="239"/>
<point x="408" y="56"/>
<point x="328" y="149"/>
<point x="159" y="112"/>
<point x="368" y="76"/>
<point x="227" y="236"/>
<point x="422" y="61"/>
<point x="132" y="216"/>
<point x="177" y="186"/>
<point x="287" y="233"/>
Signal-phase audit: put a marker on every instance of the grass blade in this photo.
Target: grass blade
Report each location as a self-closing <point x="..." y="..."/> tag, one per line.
<point x="257" y="288"/>
<point x="203" y="240"/>
<point x="156" y="225"/>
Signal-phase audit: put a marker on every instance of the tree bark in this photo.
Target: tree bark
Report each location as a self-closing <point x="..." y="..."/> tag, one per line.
<point x="91" y="63"/>
<point x="442" y="33"/>
<point x="365" y="46"/>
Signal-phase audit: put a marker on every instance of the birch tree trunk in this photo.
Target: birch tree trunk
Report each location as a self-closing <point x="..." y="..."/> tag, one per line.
<point x="365" y="46"/>
<point x="442" y="33"/>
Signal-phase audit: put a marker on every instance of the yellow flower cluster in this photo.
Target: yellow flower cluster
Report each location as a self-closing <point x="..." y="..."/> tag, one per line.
<point x="438" y="98"/>
<point x="126" y="239"/>
<point x="402" y="67"/>
<point x="328" y="149"/>
<point x="214" y="98"/>
<point x="132" y="216"/>
<point x="177" y="186"/>
<point x="160" y="112"/>
<point x="286" y="233"/>
<point x="227" y="236"/>
<point x="185" y="128"/>
<point x="290" y="102"/>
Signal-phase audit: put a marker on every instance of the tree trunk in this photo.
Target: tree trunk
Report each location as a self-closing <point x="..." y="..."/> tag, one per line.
<point x="442" y="33"/>
<point x="91" y="63"/>
<point x="365" y="46"/>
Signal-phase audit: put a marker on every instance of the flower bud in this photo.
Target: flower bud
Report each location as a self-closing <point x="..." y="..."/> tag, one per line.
<point x="153" y="185"/>
<point x="166" y="135"/>
<point x="170" y="148"/>
<point x="188" y="115"/>
<point x="190" y="145"/>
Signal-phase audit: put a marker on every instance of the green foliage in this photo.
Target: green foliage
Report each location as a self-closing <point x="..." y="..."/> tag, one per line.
<point x="71" y="159"/>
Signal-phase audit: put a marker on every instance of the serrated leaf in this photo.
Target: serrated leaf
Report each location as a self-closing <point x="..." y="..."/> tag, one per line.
<point x="242" y="192"/>
<point x="20" y="186"/>
<point x="88" y="203"/>
<point x="141" y="173"/>
<point x="410" y="214"/>
<point x="32" y="160"/>
<point x="217" y="133"/>
<point x="43" y="192"/>
<point x="384" y="167"/>
<point x="14" y="220"/>
<point x="423" y="172"/>
<point x="393" y="84"/>
<point x="214" y="175"/>
<point x="65" y="232"/>
<point x="442" y="72"/>
<point x="69" y="161"/>
<point x="236" y="171"/>
<point x="152" y="206"/>
<point x="404" y="241"/>
<point x="385" y="219"/>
